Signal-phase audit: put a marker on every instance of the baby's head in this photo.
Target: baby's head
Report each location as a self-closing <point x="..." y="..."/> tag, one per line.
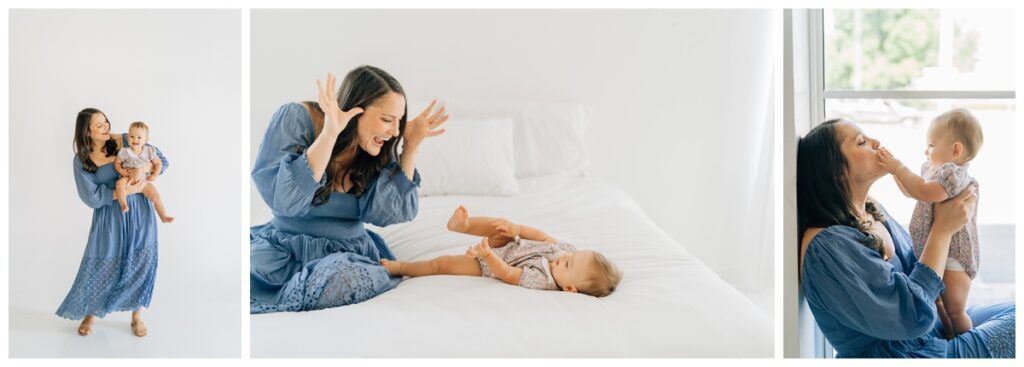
<point x="138" y="134"/>
<point x="587" y="272"/>
<point x="954" y="136"/>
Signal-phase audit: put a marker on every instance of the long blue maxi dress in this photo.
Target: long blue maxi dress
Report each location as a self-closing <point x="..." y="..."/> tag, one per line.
<point x="868" y="307"/>
<point x="310" y="257"/>
<point x="118" y="268"/>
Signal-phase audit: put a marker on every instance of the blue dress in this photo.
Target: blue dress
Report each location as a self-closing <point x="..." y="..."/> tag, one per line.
<point x="868" y="307"/>
<point x="119" y="265"/>
<point x="313" y="257"/>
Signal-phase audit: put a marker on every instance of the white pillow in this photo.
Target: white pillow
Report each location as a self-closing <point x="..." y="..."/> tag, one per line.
<point x="548" y="136"/>
<point x="472" y="157"/>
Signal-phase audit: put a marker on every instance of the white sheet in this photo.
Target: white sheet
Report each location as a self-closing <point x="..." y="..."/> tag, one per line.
<point x="668" y="304"/>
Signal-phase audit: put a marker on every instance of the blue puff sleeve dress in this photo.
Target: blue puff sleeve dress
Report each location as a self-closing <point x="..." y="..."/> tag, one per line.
<point x="118" y="268"/>
<point x="868" y="307"/>
<point x="313" y="257"/>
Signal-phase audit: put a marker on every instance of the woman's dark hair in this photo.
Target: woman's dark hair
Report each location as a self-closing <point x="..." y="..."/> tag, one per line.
<point x="83" y="139"/>
<point x="822" y="195"/>
<point x="361" y="88"/>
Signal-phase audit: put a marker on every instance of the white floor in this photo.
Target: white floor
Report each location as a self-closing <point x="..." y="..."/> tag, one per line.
<point x="176" y="329"/>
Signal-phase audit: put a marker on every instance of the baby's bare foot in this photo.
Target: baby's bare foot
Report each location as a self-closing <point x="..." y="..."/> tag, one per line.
<point x="394" y="267"/>
<point x="85" y="328"/>
<point x="459" y="220"/>
<point x="124" y="208"/>
<point x="166" y="219"/>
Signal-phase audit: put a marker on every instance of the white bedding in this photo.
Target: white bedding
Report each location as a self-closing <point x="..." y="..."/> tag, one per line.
<point x="668" y="304"/>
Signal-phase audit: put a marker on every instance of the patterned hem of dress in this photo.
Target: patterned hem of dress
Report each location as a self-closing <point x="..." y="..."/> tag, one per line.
<point x="105" y="285"/>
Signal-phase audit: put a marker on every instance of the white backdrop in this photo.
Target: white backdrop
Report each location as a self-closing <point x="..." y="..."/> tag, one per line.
<point x="682" y="99"/>
<point x="179" y="71"/>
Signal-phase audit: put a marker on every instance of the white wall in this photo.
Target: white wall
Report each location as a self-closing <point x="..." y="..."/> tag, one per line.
<point x="179" y="71"/>
<point x="680" y="98"/>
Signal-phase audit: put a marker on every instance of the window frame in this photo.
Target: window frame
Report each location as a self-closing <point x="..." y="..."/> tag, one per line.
<point x="818" y="95"/>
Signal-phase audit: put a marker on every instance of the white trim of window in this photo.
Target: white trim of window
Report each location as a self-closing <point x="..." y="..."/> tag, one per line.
<point x="816" y="64"/>
<point x="917" y="94"/>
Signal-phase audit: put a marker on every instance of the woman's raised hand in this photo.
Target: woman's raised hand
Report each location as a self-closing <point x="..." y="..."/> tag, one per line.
<point x="335" y="118"/>
<point x="424" y="126"/>
<point x="951" y="215"/>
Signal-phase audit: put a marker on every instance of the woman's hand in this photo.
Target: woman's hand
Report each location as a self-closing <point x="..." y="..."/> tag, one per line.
<point x="951" y="215"/>
<point x="335" y="118"/>
<point x="481" y="250"/>
<point x="423" y="126"/>
<point x="135" y="187"/>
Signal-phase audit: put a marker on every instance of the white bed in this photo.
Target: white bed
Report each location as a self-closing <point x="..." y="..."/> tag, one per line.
<point x="668" y="304"/>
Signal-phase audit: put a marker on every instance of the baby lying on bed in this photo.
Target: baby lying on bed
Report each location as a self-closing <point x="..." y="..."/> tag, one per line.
<point x="518" y="255"/>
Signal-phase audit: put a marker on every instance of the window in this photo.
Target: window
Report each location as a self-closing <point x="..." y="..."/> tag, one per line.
<point x="891" y="71"/>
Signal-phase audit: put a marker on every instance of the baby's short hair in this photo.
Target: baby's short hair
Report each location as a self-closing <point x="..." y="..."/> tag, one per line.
<point x="139" y="125"/>
<point x="605" y="278"/>
<point x="965" y="128"/>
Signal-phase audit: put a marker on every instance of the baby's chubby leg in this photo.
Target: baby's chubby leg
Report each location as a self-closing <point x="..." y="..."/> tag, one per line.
<point x="443" y="265"/>
<point x="121" y="191"/>
<point x="461" y="222"/>
<point x="954" y="299"/>
<point x="149" y="191"/>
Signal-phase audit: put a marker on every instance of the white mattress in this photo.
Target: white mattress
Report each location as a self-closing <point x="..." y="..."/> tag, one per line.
<point x="668" y="304"/>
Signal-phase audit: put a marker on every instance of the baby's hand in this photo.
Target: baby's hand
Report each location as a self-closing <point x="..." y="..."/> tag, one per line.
<point x="480" y="250"/>
<point x="507" y="228"/>
<point x="888" y="162"/>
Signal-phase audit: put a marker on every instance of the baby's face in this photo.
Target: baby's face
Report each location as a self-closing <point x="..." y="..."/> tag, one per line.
<point x="572" y="269"/>
<point x="137" y="137"/>
<point x="940" y="145"/>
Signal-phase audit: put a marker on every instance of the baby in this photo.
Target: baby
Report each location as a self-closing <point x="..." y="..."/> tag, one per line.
<point x="137" y="153"/>
<point x="518" y="255"/>
<point x="954" y="139"/>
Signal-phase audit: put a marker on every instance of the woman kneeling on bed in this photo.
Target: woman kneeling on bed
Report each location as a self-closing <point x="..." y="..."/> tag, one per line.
<point x="518" y="255"/>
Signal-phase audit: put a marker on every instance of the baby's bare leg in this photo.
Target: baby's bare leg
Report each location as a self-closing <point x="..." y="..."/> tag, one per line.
<point x="947" y="325"/>
<point x="149" y="191"/>
<point x="461" y="222"/>
<point x="444" y="265"/>
<point x="958" y="285"/>
<point x="121" y="191"/>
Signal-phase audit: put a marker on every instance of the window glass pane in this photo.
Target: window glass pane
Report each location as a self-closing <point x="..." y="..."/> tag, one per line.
<point x="902" y="126"/>
<point x="919" y="49"/>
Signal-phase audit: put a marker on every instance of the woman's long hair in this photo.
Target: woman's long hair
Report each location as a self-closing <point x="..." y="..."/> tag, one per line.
<point x="361" y="88"/>
<point x="83" y="139"/>
<point x="823" y="197"/>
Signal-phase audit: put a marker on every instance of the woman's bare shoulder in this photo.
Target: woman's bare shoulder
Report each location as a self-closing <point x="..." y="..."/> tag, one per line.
<point x="808" y="235"/>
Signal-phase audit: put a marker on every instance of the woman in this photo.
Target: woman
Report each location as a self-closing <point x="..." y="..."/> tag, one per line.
<point x="324" y="169"/>
<point x="869" y="295"/>
<point x="119" y="265"/>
